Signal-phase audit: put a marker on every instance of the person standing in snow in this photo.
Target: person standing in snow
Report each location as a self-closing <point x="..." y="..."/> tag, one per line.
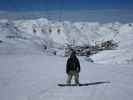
<point x="73" y="68"/>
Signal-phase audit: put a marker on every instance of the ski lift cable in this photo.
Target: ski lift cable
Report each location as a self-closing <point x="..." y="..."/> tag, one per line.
<point x="61" y="6"/>
<point x="59" y="14"/>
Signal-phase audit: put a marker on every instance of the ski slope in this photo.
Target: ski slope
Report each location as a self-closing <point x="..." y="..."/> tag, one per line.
<point x="29" y="71"/>
<point x="35" y="77"/>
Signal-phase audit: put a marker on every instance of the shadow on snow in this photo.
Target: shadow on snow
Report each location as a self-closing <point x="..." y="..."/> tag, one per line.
<point x="86" y="84"/>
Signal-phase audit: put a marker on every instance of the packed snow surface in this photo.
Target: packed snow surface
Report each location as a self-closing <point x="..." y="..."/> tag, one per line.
<point x="35" y="77"/>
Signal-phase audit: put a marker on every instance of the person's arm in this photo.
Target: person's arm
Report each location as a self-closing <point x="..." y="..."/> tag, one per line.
<point x="78" y="65"/>
<point x="67" y="66"/>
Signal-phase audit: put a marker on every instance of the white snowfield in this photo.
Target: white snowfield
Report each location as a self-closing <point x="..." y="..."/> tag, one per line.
<point x="29" y="72"/>
<point x="35" y="77"/>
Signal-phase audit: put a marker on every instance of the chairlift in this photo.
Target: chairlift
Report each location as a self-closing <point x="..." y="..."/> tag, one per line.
<point x="50" y="30"/>
<point x="58" y="30"/>
<point x="61" y="5"/>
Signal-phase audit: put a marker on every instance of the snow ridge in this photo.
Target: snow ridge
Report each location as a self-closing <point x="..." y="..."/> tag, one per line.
<point x="42" y="35"/>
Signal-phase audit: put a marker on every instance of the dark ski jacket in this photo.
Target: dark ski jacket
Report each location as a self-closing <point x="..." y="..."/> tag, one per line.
<point x="72" y="64"/>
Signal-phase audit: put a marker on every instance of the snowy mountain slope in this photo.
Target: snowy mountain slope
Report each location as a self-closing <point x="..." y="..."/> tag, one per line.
<point x="35" y="77"/>
<point x="18" y="46"/>
<point x="124" y="53"/>
<point x="88" y="32"/>
<point x="44" y="35"/>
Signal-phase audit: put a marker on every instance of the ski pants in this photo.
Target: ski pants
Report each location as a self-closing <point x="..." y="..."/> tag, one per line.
<point x="72" y="74"/>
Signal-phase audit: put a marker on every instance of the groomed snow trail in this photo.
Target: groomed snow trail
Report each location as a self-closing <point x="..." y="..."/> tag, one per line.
<point x="35" y="77"/>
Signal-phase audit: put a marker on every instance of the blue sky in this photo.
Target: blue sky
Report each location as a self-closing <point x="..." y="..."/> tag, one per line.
<point x="40" y="5"/>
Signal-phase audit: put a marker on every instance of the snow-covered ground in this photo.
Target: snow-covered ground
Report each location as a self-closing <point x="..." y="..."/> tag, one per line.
<point x="28" y="71"/>
<point x="35" y="77"/>
<point x="37" y="36"/>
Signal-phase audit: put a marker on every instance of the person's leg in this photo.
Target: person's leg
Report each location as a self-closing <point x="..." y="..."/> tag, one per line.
<point x="76" y="77"/>
<point x="69" y="78"/>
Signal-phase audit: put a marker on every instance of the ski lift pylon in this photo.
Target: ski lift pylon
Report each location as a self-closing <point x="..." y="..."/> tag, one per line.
<point x="50" y="30"/>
